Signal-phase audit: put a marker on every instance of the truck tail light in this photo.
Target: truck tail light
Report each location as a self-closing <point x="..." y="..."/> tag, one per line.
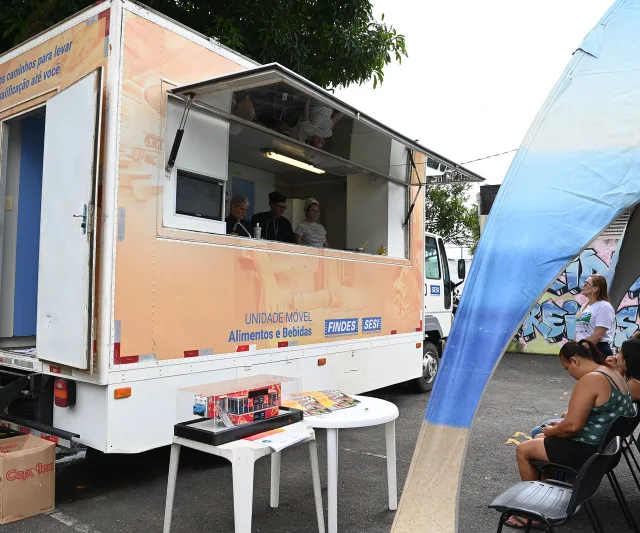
<point x="64" y="393"/>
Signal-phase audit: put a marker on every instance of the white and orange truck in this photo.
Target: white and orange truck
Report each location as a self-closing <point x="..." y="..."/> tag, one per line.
<point x="122" y="139"/>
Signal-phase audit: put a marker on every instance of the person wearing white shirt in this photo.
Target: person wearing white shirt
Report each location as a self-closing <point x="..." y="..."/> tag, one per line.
<point x="596" y="319"/>
<point x="311" y="232"/>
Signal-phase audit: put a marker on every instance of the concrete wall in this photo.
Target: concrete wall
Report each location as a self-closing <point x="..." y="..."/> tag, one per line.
<point x="255" y="183"/>
<point x="367" y="212"/>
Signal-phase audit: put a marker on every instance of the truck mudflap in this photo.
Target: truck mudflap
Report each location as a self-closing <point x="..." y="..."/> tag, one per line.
<point x="38" y="388"/>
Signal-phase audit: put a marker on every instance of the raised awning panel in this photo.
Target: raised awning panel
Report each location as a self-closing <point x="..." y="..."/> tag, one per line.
<point x="289" y="107"/>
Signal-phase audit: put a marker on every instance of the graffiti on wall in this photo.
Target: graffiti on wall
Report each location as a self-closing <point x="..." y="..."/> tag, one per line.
<point x="552" y="320"/>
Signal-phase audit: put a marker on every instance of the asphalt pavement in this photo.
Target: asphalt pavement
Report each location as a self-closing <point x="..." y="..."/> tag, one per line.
<point x="112" y="494"/>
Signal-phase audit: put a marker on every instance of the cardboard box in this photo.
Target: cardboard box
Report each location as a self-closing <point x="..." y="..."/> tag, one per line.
<point x="28" y="470"/>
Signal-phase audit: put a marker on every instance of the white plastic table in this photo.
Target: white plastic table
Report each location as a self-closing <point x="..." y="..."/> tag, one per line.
<point x="243" y="454"/>
<point x="369" y="412"/>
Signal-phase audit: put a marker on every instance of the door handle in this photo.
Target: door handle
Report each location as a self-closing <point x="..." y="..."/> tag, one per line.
<point x="83" y="216"/>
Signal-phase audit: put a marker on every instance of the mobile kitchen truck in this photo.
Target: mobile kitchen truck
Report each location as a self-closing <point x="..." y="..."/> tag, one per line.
<point x="123" y="134"/>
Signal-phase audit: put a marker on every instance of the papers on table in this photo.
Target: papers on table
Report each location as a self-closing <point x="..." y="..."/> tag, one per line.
<point x="278" y="439"/>
<point x="316" y="403"/>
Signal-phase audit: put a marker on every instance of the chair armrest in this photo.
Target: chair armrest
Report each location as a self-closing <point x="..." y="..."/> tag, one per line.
<point x="558" y="483"/>
<point x="542" y="466"/>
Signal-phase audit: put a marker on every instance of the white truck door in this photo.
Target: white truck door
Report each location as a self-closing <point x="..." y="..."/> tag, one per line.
<point x="67" y="229"/>
<point x="435" y="286"/>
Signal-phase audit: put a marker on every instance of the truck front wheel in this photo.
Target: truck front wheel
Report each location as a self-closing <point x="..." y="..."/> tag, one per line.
<point x="430" y="365"/>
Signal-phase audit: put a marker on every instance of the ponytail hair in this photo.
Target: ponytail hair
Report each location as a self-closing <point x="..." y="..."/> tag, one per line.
<point x="584" y="349"/>
<point x="600" y="282"/>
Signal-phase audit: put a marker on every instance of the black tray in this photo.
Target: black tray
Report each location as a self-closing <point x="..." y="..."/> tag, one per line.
<point x="186" y="430"/>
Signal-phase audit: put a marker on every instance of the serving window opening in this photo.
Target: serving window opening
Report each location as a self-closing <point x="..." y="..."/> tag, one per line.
<point x="301" y="165"/>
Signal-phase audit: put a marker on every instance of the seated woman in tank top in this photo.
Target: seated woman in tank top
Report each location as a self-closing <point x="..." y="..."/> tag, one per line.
<point x="628" y="361"/>
<point x="599" y="395"/>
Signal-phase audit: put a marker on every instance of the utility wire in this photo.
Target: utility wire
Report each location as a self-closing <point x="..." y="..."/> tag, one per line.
<point x="459" y="164"/>
<point x="488" y="157"/>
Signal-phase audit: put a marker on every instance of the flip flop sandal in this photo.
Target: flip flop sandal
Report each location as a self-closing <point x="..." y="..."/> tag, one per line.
<point x="521" y="523"/>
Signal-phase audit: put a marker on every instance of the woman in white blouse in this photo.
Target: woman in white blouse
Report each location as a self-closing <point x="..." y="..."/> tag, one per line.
<point x="311" y="232"/>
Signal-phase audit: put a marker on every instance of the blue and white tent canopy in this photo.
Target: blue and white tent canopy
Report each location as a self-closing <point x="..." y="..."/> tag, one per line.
<point x="576" y="171"/>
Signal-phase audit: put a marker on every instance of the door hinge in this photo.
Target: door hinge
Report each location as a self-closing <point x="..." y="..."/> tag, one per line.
<point x="89" y="222"/>
<point x="94" y="326"/>
<point x="87" y="218"/>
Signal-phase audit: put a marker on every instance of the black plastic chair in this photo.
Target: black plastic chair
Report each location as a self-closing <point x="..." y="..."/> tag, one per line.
<point x="622" y="427"/>
<point x="629" y="439"/>
<point x="553" y="503"/>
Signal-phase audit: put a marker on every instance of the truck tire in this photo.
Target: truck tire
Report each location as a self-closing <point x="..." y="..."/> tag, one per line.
<point x="430" y="366"/>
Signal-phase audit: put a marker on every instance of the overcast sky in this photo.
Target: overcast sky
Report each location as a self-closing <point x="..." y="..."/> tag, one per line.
<point x="477" y="72"/>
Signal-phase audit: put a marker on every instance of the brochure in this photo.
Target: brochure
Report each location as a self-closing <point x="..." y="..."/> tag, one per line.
<point x="278" y="439"/>
<point x="315" y="403"/>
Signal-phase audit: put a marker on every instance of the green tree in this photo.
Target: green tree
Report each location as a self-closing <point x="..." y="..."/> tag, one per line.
<point x="447" y="214"/>
<point x="330" y="42"/>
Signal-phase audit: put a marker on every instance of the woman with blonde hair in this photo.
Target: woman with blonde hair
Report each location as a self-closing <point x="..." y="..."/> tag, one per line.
<point x="596" y="318"/>
<point x="310" y="232"/>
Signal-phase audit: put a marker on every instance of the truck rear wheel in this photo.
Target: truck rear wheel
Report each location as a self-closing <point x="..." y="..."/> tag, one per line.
<point x="430" y="366"/>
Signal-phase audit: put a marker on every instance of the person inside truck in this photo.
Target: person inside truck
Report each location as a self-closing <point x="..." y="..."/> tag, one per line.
<point x="236" y="224"/>
<point x="274" y="225"/>
<point x="267" y="107"/>
<point x="311" y="232"/>
<point x="316" y="124"/>
<point x="242" y="106"/>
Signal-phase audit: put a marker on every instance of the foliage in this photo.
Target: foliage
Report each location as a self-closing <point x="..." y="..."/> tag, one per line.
<point x="448" y="215"/>
<point x="330" y="42"/>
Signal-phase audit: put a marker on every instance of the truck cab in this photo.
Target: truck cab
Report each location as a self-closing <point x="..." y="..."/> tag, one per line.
<point x="438" y="307"/>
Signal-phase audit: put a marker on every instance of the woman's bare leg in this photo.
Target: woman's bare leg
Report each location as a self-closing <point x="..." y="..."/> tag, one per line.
<point x="532" y="450"/>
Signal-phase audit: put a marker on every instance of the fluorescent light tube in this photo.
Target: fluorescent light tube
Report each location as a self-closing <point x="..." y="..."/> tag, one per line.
<point x="293" y="162"/>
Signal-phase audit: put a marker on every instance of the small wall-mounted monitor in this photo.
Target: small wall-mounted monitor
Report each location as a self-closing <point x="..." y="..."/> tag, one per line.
<point x="199" y="196"/>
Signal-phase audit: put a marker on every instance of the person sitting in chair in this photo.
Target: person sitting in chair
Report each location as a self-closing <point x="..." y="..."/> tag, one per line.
<point x="600" y="395"/>
<point x="628" y="362"/>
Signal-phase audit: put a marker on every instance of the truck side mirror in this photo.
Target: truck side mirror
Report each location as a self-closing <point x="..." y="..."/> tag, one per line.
<point x="462" y="269"/>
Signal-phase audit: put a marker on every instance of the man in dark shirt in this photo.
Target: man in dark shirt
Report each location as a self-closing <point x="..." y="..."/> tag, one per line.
<point x="274" y="226"/>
